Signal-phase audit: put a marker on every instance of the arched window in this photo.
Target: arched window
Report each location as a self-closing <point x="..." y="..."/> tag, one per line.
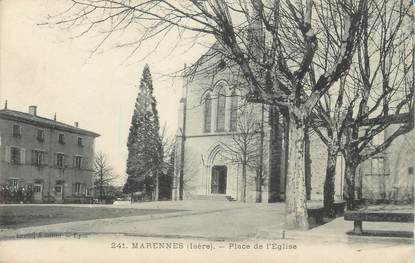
<point x="234" y="112"/>
<point x="220" y="116"/>
<point x="208" y="113"/>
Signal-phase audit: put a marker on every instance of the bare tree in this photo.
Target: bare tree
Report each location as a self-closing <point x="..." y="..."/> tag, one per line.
<point x="384" y="77"/>
<point x="103" y="174"/>
<point x="244" y="145"/>
<point x="327" y="122"/>
<point x="376" y="94"/>
<point x="273" y="43"/>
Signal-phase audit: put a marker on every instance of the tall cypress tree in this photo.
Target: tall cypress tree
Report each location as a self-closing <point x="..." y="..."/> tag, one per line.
<point x="144" y="144"/>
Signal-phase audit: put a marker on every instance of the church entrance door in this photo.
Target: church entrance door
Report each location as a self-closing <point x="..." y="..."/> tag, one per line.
<point x="219" y="177"/>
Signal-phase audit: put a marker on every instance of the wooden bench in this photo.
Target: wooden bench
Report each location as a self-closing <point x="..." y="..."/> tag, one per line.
<point x="316" y="212"/>
<point x="338" y="207"/>
<point x="315" y="215"/>
<point x="359" y="216"/>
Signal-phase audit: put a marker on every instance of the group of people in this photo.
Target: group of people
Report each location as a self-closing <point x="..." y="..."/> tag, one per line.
<point x="10" y="194"/>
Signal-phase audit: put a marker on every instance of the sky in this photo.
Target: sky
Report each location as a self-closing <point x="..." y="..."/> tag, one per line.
<point x="47" y="67"/>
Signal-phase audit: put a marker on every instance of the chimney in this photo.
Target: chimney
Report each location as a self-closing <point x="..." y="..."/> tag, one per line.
<point x="76" y="124"/>
<point x="33" y="110"/>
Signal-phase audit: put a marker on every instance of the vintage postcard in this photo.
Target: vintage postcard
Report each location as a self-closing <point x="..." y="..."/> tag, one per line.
<point x="207" y="131"/>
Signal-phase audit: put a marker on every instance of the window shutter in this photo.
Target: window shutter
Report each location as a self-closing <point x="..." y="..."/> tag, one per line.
<point x="55" y="160"/>
<point x="45" y="158"/>
<point x="73" y="189"/>
<point x="8" y="154"/>
<point x="84" y="163"/>
<point x="33" y="157"/>
<point x="22" y="156"/>
<point x="66" y="161"/>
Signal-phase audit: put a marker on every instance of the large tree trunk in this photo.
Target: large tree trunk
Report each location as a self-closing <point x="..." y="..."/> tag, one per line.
<point x="329" y="190"/>
<point x="284" y="163"/>
<point x="307" y="162"/>
<point x="349" y="186"/>
<point x="296" y="201"/>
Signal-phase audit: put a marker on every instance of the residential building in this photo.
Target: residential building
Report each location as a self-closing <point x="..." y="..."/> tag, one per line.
<point x="51" y="158"/>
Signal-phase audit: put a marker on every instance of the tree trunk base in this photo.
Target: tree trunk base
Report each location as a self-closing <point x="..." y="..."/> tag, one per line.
<point x="293" y="221"/>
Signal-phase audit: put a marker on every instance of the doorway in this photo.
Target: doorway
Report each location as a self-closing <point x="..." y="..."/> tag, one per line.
<point x="37" y="192"/>
<point x="59" y="192"/>
<point x="219" y="178"/>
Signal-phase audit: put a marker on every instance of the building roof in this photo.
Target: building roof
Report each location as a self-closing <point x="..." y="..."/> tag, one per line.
<point x="43" y="122"/>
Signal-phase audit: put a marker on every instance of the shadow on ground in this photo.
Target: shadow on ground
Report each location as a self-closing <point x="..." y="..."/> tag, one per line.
<point x="36" y="215"/>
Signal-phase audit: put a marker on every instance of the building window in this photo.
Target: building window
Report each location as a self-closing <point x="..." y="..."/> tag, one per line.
<point x="220" y="117"/>
<point x="77" y="162"/>
<point x="15" y="155"/>
<point x="60" y="160"/>
<point x="17" y="131"/>
<point x="80" y="141"/>
<point x="208" y="113"/>
<point x="62" y="138"/>
<point x="378" y="166"/>
<point x="38" y="158"/>
<point x="40" y="135"/>
<point x="77" y="188"/>
<point x="234" y="112"/>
